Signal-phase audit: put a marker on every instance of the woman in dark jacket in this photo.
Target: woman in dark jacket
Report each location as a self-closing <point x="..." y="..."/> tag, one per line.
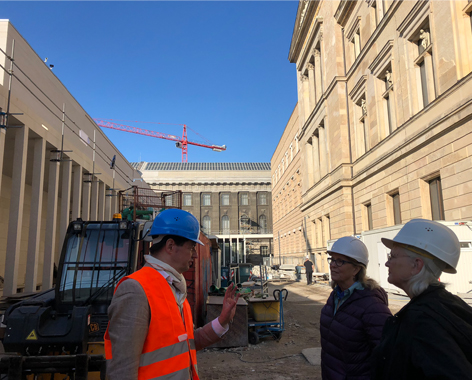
<point x="354" y="315"/>
<point x="430" y="337"/>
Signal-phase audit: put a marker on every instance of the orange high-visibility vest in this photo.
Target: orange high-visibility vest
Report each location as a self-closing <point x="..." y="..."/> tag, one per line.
<point x="169" y="348"/>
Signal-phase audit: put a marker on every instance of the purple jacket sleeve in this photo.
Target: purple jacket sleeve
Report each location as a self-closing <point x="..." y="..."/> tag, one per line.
<point x="374" y="319"/>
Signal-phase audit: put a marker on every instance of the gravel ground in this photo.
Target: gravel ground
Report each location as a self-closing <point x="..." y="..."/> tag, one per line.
<point x="280" y="360"/>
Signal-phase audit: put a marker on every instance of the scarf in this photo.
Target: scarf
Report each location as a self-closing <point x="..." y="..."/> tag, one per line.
<point x="178" y="280"/>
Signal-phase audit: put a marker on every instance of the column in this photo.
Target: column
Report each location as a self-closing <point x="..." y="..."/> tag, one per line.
<point x="66" y="187"/>
<point x="323" y="152"/>
<point x="309" y="164"/>
<point x="51" y="221"/>
<point x="301" y="113"/>
<point x="318" y="87"/>
<point x="218" y="264"/>
<point x="224" y="255"/>
<point x="101" y="202"/>
<point x="86" y="190"/>
<point x="237" y="249"/>
<point x="114" y="202"/>
<point x="94" y="200"/>
<point x="16" y="211"/>
<point x="244" y="248"/>
<point x="316" y="158"/>
<point x="34" y="236"/>
<point x="428" y="65"/>
<point x="2" y="152"/>
<point x="77" y="192"/>
<point x="311" y="82"/>
<point x="108" y="197"/>
<point x="306" y="97"/>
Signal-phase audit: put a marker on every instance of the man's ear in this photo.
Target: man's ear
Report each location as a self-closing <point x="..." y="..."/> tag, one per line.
<point x="170" y="244"/>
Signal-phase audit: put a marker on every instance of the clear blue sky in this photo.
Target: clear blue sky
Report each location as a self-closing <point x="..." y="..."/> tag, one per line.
<point x="220" y="67"/>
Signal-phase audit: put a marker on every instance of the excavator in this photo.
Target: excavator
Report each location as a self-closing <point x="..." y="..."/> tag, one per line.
<point x="58" y="333"/>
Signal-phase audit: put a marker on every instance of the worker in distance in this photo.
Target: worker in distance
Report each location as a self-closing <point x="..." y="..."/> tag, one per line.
<point x="150" y="333"/>
<point x="430" y="337"/>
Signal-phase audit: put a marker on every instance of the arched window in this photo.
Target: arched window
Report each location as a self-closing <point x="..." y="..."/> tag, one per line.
<point x="263" y="224"/>
<point x="244" y="224"/>
<point x="225" y="224"/>
<point x="206" y="224"/>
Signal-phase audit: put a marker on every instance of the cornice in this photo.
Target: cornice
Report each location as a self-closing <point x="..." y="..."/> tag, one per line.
<point x="305" y="13"/>
<point x="316" y="32"/>
<point x="408" y="25"/>
<point x="352" y="29"/>
<point x="384" y="55"/>
<point x="358" y="88"/>
<point x="343" y="11"/>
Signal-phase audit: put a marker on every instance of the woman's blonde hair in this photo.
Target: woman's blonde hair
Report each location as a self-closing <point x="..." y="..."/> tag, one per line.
<point x="362" y="278"/>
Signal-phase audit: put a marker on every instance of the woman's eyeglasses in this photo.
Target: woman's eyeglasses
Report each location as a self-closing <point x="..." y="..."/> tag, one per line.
<point x="339" y="262"/>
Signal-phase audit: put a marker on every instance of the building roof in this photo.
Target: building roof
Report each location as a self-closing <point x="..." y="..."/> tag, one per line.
<point x="204" y="166"/>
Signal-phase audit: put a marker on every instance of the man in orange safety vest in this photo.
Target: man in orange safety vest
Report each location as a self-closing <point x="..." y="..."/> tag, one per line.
<point x="150" y="333"/>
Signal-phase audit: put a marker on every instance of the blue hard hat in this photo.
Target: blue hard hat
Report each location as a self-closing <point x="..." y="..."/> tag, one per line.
<point x="176" y="222"/>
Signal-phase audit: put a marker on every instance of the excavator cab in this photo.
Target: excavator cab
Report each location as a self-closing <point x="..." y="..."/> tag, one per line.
<point x="71" y="319"/>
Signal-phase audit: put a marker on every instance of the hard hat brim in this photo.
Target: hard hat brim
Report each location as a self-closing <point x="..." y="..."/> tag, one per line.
<point x="198" y="241"/>
<point x="387" y="242"/>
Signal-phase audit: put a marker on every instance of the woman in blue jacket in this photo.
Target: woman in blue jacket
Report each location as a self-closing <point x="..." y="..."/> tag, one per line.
<point x="354" y="315"/>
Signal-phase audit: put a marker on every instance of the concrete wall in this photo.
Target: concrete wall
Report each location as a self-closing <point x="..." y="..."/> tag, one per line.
<point x="39" y="197"/>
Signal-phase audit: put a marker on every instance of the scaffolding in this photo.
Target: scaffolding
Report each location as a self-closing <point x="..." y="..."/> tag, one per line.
<point x="138" y="199"/>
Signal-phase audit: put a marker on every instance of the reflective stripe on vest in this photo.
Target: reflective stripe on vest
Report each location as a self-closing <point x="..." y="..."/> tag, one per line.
<point x="164" y="353"/>
<point x="183" y="374"/>
<point x="169" y="349"/>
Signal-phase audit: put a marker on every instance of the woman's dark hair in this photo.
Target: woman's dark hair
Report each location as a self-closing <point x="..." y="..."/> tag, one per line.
<point x="179" y="240"/>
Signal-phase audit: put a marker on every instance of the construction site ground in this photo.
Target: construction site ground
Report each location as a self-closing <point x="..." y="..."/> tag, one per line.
<point x="282" y="360"/>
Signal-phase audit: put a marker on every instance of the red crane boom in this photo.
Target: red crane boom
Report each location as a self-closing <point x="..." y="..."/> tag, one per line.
<point x="180" y="142"/>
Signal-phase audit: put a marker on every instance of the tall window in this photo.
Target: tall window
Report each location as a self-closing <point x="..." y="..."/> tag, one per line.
<point x="437" y="205"/>
<point x="206" y="199"/>
<point x="225" y="199"/>
<point x="368" y="213"/>
<point x="206" y="224"/>
<point x="356" y="42"/>
<point x="244" y="224"/>
<point x="187" y="199"/>
<point x="397" y="217"/>
<point x="363" y="129"/>
<point x="262" y="198"/>
<point x="263" y="224"/>
<point x="168" y="200"/>
<point x="264" y="250"/>
<point x="424" y="63"/>
<point x="388" y="96"/>
<point x="225" y="224"/>
<point x="244" y="201"/>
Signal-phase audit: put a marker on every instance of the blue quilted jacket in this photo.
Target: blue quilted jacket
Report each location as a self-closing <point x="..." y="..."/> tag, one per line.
<point x="349" y="337"/>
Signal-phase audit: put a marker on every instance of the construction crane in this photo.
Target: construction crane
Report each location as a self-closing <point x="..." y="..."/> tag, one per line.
<point x="180" y="142"/>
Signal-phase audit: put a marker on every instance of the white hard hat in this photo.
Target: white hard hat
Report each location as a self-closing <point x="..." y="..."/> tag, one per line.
<point x="307" y="257"/>
<point x="352" y="247"/>
<point x="433" y="237"/>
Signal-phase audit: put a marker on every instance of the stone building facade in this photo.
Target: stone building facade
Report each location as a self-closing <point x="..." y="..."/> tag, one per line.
<point x="290" y="240"/>
<point x="55" y="167"/>
<point x="385" y="105"/>
<point x="232" y="201"/>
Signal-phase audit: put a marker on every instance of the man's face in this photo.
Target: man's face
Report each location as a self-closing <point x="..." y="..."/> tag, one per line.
<point x="182" y="256"/>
